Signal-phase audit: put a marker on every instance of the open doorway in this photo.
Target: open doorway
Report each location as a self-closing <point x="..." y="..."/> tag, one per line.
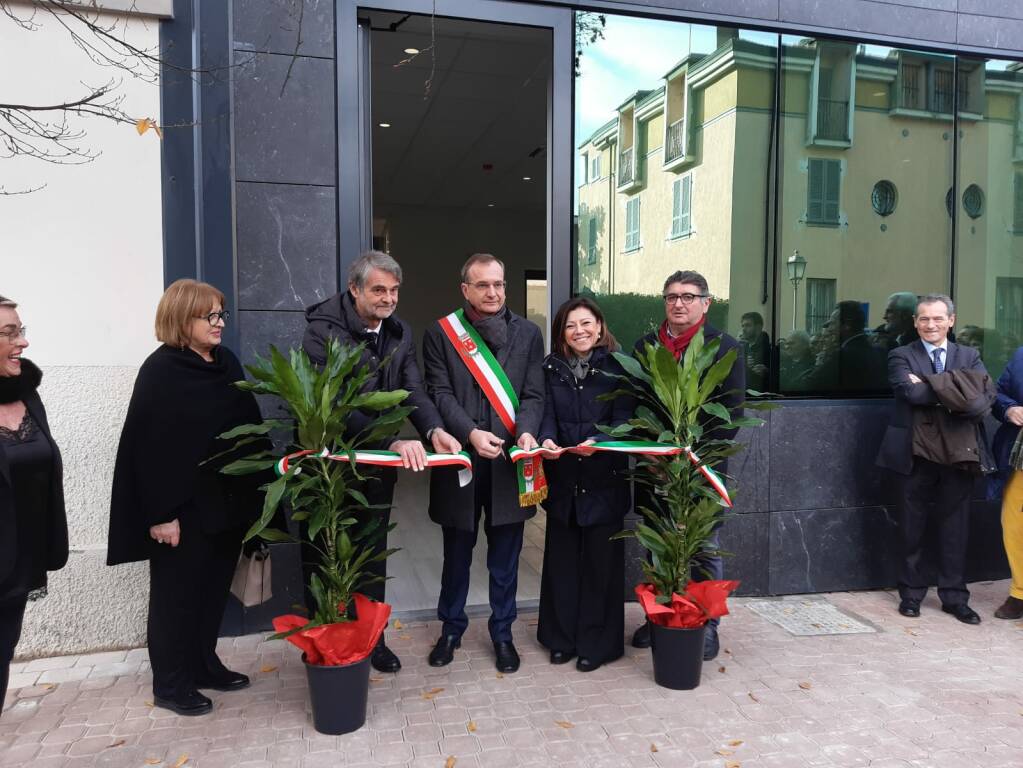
<point x="459" y="126"/>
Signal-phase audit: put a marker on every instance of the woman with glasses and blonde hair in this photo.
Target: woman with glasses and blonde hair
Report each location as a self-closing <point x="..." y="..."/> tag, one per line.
<point x="172" y="509"/>
<point x="582" y="612"/>
<point x="33" y="526"/>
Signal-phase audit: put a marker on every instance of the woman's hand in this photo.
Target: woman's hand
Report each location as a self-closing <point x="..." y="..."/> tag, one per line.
<point x="167" y="533"/>
<point x="526" y="442"/>
<point x="1014" y="415"/>
<point x="550" y="445"/>
<point x="583" y="449"/>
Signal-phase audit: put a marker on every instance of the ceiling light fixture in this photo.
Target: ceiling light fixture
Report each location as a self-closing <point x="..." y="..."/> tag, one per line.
<point x="411" y="51"/>
<point x="527" y="178"/>
<point x="385" y="125"/>
<point x="490" y="205"/>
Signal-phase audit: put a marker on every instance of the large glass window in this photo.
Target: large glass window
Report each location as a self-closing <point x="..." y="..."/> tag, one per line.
<point x="683" y="133"/>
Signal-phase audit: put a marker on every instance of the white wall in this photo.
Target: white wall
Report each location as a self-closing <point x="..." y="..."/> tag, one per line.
<point x="83" y="258"/>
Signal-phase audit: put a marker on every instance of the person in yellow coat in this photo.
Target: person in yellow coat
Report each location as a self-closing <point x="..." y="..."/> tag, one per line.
<point x="1008" y="450"/>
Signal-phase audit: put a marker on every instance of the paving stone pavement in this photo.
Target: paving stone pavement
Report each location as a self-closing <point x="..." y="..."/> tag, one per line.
<point x="927" y="693"/>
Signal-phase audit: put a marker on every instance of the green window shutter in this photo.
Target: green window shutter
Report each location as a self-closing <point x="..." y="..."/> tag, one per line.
<point x="832" y="190"/>
<point x="591" y="253"/>
<point x="1017" y="207"/>
<point x="686" y="207"/>
<point x="815" y="190"/>
<point x="676" y="208"/>
<point x="632" y="224"/>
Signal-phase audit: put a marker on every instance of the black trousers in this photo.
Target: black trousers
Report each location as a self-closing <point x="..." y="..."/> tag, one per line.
<point x="376" y="491"/>
<point x="188" y="588"/>
<point x="12" y="613"/>
<point x="582" y="608"/>
<point x="933" y="494"/>
<point x="504" y="544"/>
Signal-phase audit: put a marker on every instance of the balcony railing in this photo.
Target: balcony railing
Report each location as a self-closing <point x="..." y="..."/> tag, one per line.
<point x="626" y="167"/>
<point x="674" y="148"/>
<point x="833" y="119"/>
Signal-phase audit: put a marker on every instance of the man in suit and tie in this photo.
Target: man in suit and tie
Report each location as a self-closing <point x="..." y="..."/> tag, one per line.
<point x="932" y="493"/>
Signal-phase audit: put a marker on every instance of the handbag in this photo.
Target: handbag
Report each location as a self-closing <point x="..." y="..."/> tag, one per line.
<point x="252" y="577"/>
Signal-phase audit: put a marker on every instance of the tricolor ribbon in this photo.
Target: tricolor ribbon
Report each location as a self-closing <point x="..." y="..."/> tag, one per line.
<point x="384" y="459"/>
<point x="642" y="447"/>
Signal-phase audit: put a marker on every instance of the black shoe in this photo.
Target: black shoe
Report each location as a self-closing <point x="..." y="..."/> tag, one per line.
<point x="507" y="658"/>
<point x="225" y="681"/>
<point x="963" y="612"/>
<point x="444" y="651"/>
<point x="641" y="637"/>
<point x="585" y="665"/>
<point x="711" y="646"/>
<point x="910" y="608"/>
<point x="189" y="704"/>
<point x="384" y="660"/>
<point x="1012" y="608"/>
<point x="562" y="657"/>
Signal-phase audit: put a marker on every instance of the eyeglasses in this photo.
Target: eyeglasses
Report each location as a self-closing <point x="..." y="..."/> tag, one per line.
<point x="497" y="285"/>
<point x="213" y="317"/>
<point x="686" y="298"/>
<point x="17" y="333"/>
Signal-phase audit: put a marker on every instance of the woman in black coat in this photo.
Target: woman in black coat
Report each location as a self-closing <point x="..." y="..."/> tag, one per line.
<point x="581" y="602"/>
<point x="187" y="519"/>
<point x="33" y="526"/>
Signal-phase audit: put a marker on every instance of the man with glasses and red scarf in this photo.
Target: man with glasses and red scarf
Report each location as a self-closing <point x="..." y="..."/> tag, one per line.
<point x="686" y="301"/>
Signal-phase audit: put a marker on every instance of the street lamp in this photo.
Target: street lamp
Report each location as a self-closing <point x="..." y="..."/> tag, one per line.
<point x="796" y="266"/>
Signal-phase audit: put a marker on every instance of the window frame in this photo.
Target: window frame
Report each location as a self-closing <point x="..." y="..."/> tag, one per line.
<point x="680" y="212"/>
<point x="633" y="220"/>
<point x="826" y="181"/>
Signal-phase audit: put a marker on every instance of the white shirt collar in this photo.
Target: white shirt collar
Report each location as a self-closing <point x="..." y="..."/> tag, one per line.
<point x="931" y="347"/>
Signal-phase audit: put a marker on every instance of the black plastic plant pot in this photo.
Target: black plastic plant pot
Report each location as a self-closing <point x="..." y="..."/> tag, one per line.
<point x="338" y="696"/>
<point x="678" y="656"/>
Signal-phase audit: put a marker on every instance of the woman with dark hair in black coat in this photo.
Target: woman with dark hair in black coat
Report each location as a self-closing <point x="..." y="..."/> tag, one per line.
<point x="581" y="603"/>
<point x="33" y="526"/>
<point x="170" y="508"/>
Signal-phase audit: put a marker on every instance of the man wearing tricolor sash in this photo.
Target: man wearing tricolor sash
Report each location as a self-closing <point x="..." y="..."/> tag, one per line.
<point x="364" y="314"/>
<point x="687" y="299"/>
<point x="483" y="371"/>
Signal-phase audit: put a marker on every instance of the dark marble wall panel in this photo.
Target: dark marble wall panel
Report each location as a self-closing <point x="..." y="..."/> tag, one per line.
<point x="272" y="26"/>
<point x="822" y="455"/>
<point x="824" y="550"/>
<point x="989" y="32"/>
<point x="869" y="16"/>
<point x="748" y="469"/>
<point x="746" y="539"/>
<point x="287" y="245"/>
<point x="285" y="137"/>
<point x="261" y="329"/>
<point x="750" y="9"/>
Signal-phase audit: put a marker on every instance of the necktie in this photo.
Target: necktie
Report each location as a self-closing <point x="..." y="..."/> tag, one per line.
<point x="939" y="367"/>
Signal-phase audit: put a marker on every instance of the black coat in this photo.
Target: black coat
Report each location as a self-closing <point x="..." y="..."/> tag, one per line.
<point x="463" y="409"/>
<point x="336" y="318"/>
<point x="49" y="510"/>
<point x="896" y="452"/>
<point x="179" y="406"/>
<point x="572" y="410"/>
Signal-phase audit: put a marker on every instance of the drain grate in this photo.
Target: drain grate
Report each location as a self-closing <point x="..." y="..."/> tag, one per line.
<point x="804" y="616"/>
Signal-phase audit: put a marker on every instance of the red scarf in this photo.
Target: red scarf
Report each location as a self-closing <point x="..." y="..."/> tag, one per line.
<point x="677" y="344"/>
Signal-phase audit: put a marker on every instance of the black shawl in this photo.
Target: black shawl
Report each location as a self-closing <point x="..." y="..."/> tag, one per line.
<point x="179" y="406"/>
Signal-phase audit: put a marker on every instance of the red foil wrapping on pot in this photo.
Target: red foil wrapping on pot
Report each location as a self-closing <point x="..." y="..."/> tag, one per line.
<point x="703" y="601"/>
<point x="336" y="644"/>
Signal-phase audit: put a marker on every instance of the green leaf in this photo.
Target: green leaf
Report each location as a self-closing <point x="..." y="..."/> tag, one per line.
<point x="248" y="466"/>
<point x="273" y="535"/>
<point x="632" y="367"/>
<point x="263" y="428"/>
<point x="718" y="410"/>
<point x="380" y="400"/>
<point x="274" y="492"/>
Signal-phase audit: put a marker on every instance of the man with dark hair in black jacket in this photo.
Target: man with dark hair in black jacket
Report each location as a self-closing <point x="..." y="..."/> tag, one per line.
<point x="364" y="314"/>
<point x="687" y="298"/>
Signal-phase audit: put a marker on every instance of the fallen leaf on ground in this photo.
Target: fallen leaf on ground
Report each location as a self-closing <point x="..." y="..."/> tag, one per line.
<point x="118" y="743"/>
<point x="721" y="669"/>
<point x="910" y="631"/>
<point x="728" y="651"/>
<point x="471" y="727"/>
<point x="431" y="693"/>
<point x="450" y="762"/>
<point x="268" y="668"/>
<point x="723" y="752"/>
<point x="398" y="624"/>
<point x="49" y="686"/>
<point x="375" y="679"/>
<point x="754" y="698"/>
<point x="153" y="761"/>
<point x="735" y="743"/>
<point x="653" y="747"/>
<point x="564" y="724"/>
<point x="148" y="703"/>
<point x="732" y="764"/>
<point x="180" y="761"/>
<point x="500" y="675"/>
<point x="805" y="686"/>
<point x="404" y="636"/>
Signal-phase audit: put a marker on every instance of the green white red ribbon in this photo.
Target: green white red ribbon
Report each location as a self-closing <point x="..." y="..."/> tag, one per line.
<point x="642" y="447"/>
<point x="384" y="459"/>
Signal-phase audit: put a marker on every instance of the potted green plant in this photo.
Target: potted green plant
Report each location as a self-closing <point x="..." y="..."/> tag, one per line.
<point x="683" y="499"/>
<point x="318" y="479"/>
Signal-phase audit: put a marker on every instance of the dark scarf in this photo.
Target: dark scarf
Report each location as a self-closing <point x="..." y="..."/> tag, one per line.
<point x="493" y="328"/>
<point x="579" y="365"/>
<point x="15" y="388"/>
<point x="677" y="345"/>
<point x="179" y="406"/>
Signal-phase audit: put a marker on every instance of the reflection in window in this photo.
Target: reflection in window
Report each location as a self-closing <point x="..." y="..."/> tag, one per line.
<point x="823" y="190"/>
<point x="884" y="198"/>
<point x="973" y="201"/>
